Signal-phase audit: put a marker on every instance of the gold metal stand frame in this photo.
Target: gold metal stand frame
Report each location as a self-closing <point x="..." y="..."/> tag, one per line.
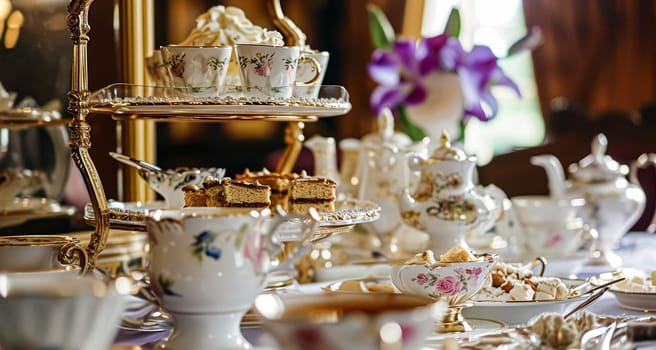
<point x="78" y="98"/>
<point x="80" y="140"/>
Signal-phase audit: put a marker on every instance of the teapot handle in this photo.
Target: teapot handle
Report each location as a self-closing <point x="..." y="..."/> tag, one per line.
<point x="643" y="161"/>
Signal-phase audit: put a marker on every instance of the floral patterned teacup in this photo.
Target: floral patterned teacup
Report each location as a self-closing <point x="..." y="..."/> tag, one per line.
<point x="157" y="70"/>
<point x="546" y="226"/>
<point x="270" y="71"/>
<point x="207" y="265"/>
<point x="455" y="282"/>
<point x="200" y="70"/>
<point x="307" y="71"/>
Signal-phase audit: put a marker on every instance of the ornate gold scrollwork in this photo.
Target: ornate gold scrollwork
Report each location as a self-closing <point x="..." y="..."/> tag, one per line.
<point x="78" y="20"/>
<point x="78" y="97"/>
<point x="70" y="252"/>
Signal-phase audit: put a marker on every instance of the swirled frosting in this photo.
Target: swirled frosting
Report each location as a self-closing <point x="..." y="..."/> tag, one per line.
<point x="224" y="26"/>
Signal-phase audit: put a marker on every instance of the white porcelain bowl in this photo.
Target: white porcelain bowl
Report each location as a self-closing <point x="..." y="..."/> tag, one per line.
<point x="520" y="312"/>
<point x="457" y="282"/>
<point x="58" y="310"/>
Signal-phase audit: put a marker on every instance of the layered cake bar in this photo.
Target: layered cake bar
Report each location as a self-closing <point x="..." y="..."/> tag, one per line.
<point x="194" y="196"/>
<point x="278" y="182"/>
<point x="306" y="192"/>
<point x="233" y="193"/>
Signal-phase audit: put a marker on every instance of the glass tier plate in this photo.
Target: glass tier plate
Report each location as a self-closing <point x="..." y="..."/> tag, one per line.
<point x="127" y="101"/>
<point x="131" y="216"/>
<point x="18" y="118"/>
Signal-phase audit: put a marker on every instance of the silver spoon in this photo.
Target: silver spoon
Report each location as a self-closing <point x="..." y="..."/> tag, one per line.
<point x="600" y="290"/>
<point x="135" y="163"/>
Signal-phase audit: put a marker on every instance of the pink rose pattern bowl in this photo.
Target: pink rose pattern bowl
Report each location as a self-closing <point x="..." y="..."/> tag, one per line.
<point x="457" y="282"/>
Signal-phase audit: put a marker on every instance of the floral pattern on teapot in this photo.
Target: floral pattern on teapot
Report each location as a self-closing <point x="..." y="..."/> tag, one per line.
<point x="447" y="204"/>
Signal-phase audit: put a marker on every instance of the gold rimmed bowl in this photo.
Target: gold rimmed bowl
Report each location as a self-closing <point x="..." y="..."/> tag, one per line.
<point x="455" y="282"/>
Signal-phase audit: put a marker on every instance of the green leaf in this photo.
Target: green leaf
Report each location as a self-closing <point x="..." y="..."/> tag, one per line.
<point x="407" y="126"/>
<point x="452" y="27"/>
<point x="531" y="40"/>
<point x="382" y="32"/>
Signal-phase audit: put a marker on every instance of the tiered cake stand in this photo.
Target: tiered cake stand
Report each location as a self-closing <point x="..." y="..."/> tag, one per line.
<point x="135" y="102"/>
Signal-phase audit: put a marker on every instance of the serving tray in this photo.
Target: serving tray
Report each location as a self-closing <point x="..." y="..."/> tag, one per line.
<point x="128" y="101"/>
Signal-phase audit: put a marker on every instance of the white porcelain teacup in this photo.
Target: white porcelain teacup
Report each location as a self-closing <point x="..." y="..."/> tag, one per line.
<point x="305" y="72"/>
<point x="547" y="226"/>
<point x="59" y="310"/>
<point x="33" y="253"/>
<point x="201" y="70"/>
<point x="270" y="71"/>
<point x="157" y="69"/>
<point x="207" y="265"/>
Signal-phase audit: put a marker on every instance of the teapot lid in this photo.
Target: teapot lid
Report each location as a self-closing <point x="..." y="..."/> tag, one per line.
<point x="385" y="133"/>
<point x="597" y="166"/>
<point x="446" y="152"/>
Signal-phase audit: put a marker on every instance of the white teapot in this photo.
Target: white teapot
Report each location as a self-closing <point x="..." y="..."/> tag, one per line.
<point x="447" y="204"/>
<point x="613" y="203"/>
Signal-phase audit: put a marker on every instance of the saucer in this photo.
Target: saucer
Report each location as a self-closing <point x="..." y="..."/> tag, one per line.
<point x="24" y="209"/>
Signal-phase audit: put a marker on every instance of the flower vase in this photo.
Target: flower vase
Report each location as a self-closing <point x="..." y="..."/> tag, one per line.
<point x="443" y="108"/>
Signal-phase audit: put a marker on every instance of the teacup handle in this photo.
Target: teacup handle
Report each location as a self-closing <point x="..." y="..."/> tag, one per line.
<point x="643" y="161"/>
<point x="317" y="70"/>
<point x="539" y="260"/>
<point x="309" y="224"/>
<point x="69" y="252"/>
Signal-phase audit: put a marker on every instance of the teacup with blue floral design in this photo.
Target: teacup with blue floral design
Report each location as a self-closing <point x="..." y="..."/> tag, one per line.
<point x="207" y="265"/>
<point x="270" y="71"/>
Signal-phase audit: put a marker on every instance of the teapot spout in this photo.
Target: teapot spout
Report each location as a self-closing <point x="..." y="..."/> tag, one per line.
<point x="406" y="201"/>
<point x="555" y="173"/>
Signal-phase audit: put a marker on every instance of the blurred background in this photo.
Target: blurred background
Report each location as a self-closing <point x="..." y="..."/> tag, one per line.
<point x="594" y="72"/>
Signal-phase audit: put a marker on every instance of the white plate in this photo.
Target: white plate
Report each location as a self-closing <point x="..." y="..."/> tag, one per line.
<point x="480" y="327"/>
<point x="379" y="271"/>
<point x="520" y="312"/>
<point x="644" y="302"/>
<point x="25" y="209"/>
<point x="629" y="296"/>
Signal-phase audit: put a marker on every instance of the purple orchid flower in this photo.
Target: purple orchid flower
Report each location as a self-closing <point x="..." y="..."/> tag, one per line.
<point x="478" y="71"/>
<point x="399" y="73"/>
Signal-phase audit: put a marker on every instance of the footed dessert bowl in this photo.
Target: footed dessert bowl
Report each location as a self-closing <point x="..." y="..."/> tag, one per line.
<point x="454" y="281"/>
